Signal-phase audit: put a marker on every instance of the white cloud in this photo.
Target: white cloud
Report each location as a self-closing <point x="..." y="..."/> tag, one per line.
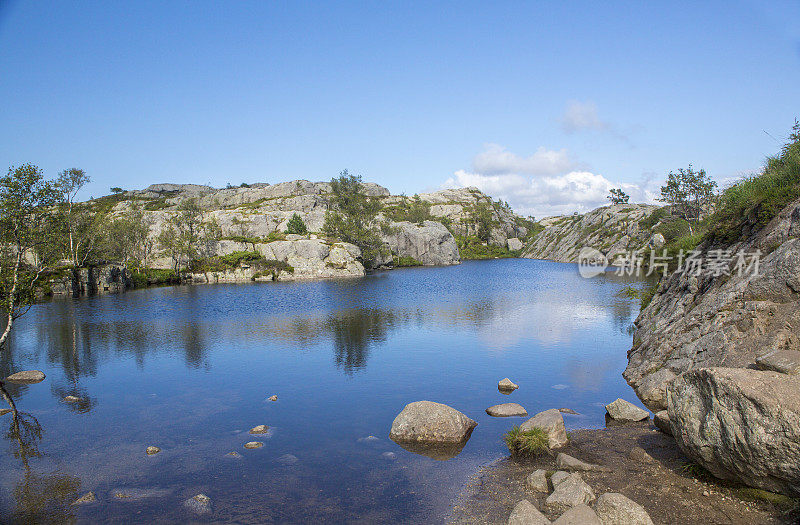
<point x="495" y="159"/>
<point x="581" y="116"/>
<point x="556" y="191"/>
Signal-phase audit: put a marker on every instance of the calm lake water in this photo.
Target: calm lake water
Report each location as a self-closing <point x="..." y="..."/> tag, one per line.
<point x="189" y="369"/>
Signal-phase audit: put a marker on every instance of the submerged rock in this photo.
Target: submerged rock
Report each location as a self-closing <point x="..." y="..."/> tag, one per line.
<point x="571" y="492"/>
<point x="568" y="411"/>
<point x="26" y="377"/>
<point x="368" y="439"/>
<point x="234" y="455"/>
<point x="259" y="429"/>
<point x="137" y="494"/>
<point x="199" y="504"/>
<point x="613" y="508"/>
<point x="621" y="410"/>
<point x="740" y="424"/>
<point x="437" y="451"/>
<point x="288" y="459"/>
<point x="391" y="456"/>
<point x="552" y="422"/>
<point x="429" y="422"/>
<point x="506" y="385"/>
<point x="72" y="399"/>
<point x="525" y="513"/>
<point x="272" y="398"/>
<point x="506" y="410"/>
<point x="151" y="450"/>
<point x="87" y="498"/>
<point x="253" y="445"/>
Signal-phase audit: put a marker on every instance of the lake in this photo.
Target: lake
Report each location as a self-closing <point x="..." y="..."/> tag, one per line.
<point x="190" y="368"/>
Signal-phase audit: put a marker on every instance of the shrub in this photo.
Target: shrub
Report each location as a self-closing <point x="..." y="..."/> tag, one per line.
<point x="471" y="247"/>
<point x="296" y="225"/>
<point x="401" y="262"/>
<point x="413" y="210"/>
<point x="533" y="442"/>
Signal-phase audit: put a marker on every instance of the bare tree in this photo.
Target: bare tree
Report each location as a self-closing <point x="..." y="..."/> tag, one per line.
<point x="69" y="184"/>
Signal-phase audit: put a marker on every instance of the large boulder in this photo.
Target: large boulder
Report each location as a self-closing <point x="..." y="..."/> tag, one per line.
<point x="579" y="515"/>
<point x="429" y="422"/>
<point x="740" y="424"/>
<point x="552" y="422"/>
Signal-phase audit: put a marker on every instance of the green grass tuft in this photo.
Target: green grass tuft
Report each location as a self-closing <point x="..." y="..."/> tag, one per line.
<point x="533" y="442"/>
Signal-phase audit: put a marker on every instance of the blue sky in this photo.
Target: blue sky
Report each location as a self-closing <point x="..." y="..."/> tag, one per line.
<point x="544" y="104"/>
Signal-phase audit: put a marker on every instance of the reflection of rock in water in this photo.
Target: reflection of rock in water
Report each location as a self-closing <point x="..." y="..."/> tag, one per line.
<point x="437" y="451"/>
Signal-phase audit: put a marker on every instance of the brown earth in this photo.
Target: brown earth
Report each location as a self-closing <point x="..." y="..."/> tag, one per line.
<point x="672" y="489"/>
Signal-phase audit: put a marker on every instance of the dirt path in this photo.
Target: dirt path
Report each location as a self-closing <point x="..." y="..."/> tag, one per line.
<point x="670" y="491"/>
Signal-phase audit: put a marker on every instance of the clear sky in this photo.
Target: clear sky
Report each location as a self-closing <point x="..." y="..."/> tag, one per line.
<point x="544" y="104"/>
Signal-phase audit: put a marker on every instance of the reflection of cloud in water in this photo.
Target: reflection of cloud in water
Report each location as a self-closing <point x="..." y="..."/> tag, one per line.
<point x="588" y="376"/>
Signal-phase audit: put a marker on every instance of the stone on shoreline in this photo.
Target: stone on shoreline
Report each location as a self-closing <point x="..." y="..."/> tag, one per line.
<point x="640" y="455"/>
<point x="569" y="493"/>
<point x="506" y="410"/>
<point x="557" y="477"/>
<point x="537" y="481"/>
<point x="621" y="410"/>
<point x="525" y="513"/>
<point x="566" y="462"/>
<point x="151" y="450"/>
<point x="580" y="515"/>
<point x="26" y="377"/>
<point x="614" y="508"/>
<point x="506" y="385"/>
<point x="552" y="422"/>
<point x="661" y="421"/>
<point x="429" y="422"/>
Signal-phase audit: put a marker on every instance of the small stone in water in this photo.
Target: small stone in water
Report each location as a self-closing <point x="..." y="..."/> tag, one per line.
<point x="273" y="398"/>
<point x="89" y="497"/>
<point x="253" y="444"/>
<point x="260" y="429"/>
<point x="152" y="450"/>
<point x="200" y="504"/>
<point x="72" y="399"/>
<point x="233" y="454"/>
<point x="368" y="439"/>
<point x="26" y="377"/>
<point x="389" y="455"/>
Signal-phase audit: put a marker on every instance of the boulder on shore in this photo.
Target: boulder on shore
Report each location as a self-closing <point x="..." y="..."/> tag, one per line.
<point x="552" y="422"/>
<point x="580" y="515"/>
<point x="507" y="410"/>
<point x="661" y="421"/>
<point x="621" y="410"/>
<point x="429" y="422"/>
<point x="615" y="508"/>
<point x="571" y="492"/>
<point x="740" y="424"/>
<point x="526" y="513"/>
<point x="565" y="462"/>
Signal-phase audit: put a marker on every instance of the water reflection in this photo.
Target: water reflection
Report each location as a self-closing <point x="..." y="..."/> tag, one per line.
<point x="39" y="498"/>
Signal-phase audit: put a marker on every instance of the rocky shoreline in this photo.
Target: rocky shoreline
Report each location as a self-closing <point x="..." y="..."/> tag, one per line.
<point x="639" y="462"/>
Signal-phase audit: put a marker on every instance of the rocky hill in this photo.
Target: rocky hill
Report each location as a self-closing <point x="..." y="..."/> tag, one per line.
<point x="611" y="229"/>
<point x="254" y="218"/>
